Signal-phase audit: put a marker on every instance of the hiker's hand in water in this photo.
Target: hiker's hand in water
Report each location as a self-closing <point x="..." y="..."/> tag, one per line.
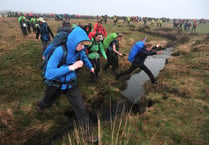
<point x="159" y="52"/>
<point x="92" y="70"/>
<point x="76" y="65"/>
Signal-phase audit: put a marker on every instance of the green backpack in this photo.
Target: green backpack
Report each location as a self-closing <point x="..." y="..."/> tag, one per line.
<point x="109" y="39"/>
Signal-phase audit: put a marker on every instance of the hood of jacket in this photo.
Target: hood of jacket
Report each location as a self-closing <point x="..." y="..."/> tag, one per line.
<point x="74" y="38"/>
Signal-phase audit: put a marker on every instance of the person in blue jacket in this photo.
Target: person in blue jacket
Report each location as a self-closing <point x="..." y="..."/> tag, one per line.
<point x="137" y="56"/>
<point x="62" y="79"/>
<point x="44" y="31"/>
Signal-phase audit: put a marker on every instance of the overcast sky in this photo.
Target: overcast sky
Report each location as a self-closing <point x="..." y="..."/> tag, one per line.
<point x="148" y="8"/>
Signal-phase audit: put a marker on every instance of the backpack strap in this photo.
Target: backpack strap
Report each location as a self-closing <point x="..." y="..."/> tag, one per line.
<point x="89" y="48"/>
<point x="44" y="28"/>
<point x="63" y="61"/>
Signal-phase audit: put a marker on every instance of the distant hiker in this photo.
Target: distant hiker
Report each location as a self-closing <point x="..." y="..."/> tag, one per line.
<point x="94" y="51"/>
<point x="113" y="52"/>
<point x="59" y="39"/>
<point x="105" y="19"/>
<point x="145" y="21"/>
<point x="180" y="26"/>
<point x="128" y="20"/>
<point x="137" y="56"/>
<point x="63" y="80"/>
<point x="194" y="26"/>
<point x="45" y="32"/>
<point x="66" y="27"/>
<point x="28" y="25"/>
<point x="87" y="28"/>
<point x="35" y="23"/>
<point x="23" y="25"/>
<point x="99" y="28"/>
<point x="115" y="20"/>
<point x="153" y="22"/>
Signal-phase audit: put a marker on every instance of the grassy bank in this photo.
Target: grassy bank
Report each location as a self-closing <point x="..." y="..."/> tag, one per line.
<point x="177" y="109"/>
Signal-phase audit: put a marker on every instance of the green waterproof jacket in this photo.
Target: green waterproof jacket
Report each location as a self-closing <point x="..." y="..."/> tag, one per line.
<point x="21" y="18"/>
<point x="95" y="49"/>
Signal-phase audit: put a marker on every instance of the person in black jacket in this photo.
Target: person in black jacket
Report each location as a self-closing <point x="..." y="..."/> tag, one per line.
<point x="139" y="62"/>
<point x="44" y="30"/>
<point x="112" y="53"/>
<point x="66" y="27"/>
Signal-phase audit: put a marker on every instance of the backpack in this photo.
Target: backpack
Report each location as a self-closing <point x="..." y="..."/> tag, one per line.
<point x="138" y="46"/>
<point x="109" y="39"/>
<point x="45" y="33"/>
<point x="59" y="40"/>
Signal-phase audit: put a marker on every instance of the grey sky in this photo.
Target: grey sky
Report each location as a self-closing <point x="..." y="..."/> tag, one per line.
<point x="148" y="8"/>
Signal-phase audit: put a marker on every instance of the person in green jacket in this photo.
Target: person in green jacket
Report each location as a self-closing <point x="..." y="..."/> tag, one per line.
<point x="23" y="25"/>
<point x="94" y="52"/>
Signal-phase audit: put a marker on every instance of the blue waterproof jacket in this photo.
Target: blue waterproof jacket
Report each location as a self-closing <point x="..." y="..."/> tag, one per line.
<point x="62" y="73"/>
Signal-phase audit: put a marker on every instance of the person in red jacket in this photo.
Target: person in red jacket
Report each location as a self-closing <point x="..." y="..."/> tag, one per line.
<point x="99" y="28"/>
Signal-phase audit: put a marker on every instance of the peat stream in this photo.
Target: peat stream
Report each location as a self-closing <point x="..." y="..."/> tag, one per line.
<point x="155" y="63"/>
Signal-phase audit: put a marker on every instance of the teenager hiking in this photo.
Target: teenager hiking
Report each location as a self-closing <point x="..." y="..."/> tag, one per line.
<point x="137" y="56"/>
<point x="113" y="52"/>
<point x="115" y="20"/>
<point x="45" y="32"/>
<point x="28" y="25"/>
<point x="99" y="28"/>
<point x="23" y="25"/>
<point x="87" y="28"/>
<point x="59" y="39"/>
<point x="194" y="26"/>
<point x="66" y="27"/>
<point x="35" y="23"/>
<point x="109" y="39"/>
<point x="62" y="79"/>
<point x="94" y="51"/>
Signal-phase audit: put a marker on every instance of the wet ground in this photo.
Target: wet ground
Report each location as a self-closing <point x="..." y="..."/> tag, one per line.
<point x="135" y="89"/>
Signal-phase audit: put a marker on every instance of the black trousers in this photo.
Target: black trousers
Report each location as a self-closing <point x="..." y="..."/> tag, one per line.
<point x="96" y="64"/>
<point x="112" y="59"/>
<point x="24" y="31"/>
<point x="141" y="66"/>
<point x="73" y="95"/>
<point x="45" y="44"/>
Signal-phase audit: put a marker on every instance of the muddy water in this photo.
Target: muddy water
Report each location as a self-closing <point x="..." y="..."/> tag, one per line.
<point x="135" y="89"/>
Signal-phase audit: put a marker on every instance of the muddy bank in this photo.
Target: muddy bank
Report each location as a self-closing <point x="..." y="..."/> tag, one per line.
<point x="171" y="34"/>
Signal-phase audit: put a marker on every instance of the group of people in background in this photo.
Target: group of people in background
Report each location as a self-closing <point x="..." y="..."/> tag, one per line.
<point x="185" y="25"/>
